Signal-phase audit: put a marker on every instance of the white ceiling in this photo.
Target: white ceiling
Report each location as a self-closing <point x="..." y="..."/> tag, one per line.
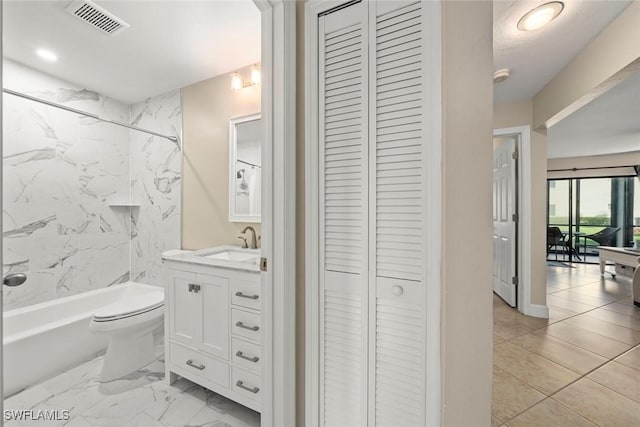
<point x="170" y="44"/>
<point x="610" y="124"/>
<point x="535" y="57"/>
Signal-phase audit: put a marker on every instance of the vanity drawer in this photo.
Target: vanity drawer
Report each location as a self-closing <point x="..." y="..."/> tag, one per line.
<point x="246" y="324"/>
<point x="193" y="361"/>
<point x="246" y="294"/>
<point x="246" y="355"/>
<point x="246" y="383"/>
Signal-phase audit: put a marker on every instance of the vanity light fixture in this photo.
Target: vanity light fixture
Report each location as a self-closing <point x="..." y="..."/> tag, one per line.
<point x="237" y="83"/>
<point x="47" y="55"/>
<point x="540" y="16"/>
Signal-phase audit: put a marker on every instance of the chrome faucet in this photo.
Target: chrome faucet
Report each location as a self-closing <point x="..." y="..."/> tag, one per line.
<point x="254" y="241"/>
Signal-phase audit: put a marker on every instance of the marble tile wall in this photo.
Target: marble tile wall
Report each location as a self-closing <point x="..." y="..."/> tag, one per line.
<point x="62" y="175"/>
<point x="156" y="172"/>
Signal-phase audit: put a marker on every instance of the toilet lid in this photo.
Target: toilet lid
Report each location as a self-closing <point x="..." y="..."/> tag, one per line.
<point x="130" y="306"/>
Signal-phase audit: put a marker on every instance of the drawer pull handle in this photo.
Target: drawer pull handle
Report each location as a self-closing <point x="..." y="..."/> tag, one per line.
<point x="253" y="359"/>
<point x="251" y="389"/>
<point x="243" y="326"/>
<point x="200" y="367"/>
<point x="241" y="295"/>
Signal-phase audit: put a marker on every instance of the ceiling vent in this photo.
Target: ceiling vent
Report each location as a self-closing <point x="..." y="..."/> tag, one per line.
<point x="97" y="17"/>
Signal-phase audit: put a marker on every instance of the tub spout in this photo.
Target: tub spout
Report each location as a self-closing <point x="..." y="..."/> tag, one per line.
<point x="14" y="279"/>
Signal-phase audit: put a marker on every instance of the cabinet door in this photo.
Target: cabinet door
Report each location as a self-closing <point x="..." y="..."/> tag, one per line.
<point x="215" y="315"/>
<point x="184" y="309"/>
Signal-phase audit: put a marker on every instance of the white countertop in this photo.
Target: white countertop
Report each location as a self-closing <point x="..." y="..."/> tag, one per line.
<point x="200" y="258"/>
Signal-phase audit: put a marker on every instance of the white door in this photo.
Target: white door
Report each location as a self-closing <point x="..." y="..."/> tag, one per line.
<point x="372" y="214"/>
<point x="504" y="218"/>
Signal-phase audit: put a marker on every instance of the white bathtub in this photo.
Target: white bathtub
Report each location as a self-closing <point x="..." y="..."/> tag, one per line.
<point x="45" y="339"/>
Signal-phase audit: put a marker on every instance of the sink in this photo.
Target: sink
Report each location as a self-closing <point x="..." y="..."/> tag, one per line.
<point x="234" y="255"/>
<point x="231" y="256"/>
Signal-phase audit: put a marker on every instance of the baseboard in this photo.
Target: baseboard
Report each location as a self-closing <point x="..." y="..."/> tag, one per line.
<point x="537" y="310"/>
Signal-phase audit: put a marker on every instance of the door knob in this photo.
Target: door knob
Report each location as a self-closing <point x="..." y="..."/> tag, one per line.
<point x="397" y="290"/>
<point x="14" y="279"/>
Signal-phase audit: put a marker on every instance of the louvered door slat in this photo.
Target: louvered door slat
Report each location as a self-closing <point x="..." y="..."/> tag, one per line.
<point x="343" y="205"/>
<point x="398" y="213"/>
<point x="399" y="131"/>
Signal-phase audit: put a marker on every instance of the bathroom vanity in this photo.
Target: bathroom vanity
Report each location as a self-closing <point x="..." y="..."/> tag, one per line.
<point x="213" y="321"/>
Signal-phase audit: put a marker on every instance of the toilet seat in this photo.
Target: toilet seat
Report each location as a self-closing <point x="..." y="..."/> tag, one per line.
<point x="129" y="307"/>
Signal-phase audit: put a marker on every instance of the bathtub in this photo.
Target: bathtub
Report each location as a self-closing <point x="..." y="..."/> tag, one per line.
<point x="45" y="339"/>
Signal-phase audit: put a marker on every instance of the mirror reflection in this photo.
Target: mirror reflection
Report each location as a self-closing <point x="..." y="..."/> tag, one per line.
<point x="245" y="166"/>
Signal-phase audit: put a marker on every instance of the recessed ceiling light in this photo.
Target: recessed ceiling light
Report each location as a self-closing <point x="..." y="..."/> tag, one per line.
<point x="47" y="55"/>
<point x="540" y="16"/>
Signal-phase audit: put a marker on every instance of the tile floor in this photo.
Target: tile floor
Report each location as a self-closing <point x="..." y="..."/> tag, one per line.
<point x="142" y="399"/>
<point x="581" y="367"/>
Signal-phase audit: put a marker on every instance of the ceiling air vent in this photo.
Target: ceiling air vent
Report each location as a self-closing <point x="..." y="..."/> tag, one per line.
<point x="97" y="17"/>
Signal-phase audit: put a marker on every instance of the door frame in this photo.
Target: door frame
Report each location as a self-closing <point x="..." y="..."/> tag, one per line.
<point x="278" y="109"/>
<point x="433" y="223"/>
<point x="524" y="249"/>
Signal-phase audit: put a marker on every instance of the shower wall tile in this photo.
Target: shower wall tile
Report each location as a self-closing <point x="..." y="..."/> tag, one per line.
<point x="60" y="171"/>
<point x="156" y="171"/>
<point x="63" y="172"/>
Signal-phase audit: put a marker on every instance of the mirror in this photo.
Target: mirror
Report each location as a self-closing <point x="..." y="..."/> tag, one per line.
<point x="245" y="156"/>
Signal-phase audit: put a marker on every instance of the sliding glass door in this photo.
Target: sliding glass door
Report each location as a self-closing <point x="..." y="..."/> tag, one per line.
<point x="594" y="212"/>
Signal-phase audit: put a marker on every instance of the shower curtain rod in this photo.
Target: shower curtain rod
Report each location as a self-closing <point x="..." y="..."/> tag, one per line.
<point x="84" y="113"/>
<point x="249" y="164"/>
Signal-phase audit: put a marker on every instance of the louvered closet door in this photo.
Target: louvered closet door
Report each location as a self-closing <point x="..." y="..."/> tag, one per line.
<point x="397" y="215"/>
<point x="372" y="217"/>
<point x="343" y="126"/>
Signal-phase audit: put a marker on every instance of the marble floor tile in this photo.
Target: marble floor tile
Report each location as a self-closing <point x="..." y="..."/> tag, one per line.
<point x="537" y="371"/>
<point x="568" y="355"/>
<point x="619" y="378"/>
<point x="588" y="340"/>
<point x="631" y="358"/>
<point x="600" y="404"/>
<point x="511" y="396"/>
<point x="142" y="399"/>
<point x="549" y="413"/>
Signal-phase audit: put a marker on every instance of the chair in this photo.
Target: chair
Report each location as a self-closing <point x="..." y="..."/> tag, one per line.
<point x="604" y="237"/>
<point x="555" y="237"/>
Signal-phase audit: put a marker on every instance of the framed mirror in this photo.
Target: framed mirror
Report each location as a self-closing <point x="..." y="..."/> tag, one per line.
<point x="245" y="157"/>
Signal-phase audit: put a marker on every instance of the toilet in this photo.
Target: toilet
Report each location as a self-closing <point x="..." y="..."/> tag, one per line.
<point x="129" y="323"/>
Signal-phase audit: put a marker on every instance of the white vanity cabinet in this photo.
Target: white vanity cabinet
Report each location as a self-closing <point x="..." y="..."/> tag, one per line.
<point x="214" y="329"/>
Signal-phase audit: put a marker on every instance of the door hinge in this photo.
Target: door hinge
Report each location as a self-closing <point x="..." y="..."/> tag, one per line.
<point x="514" y="217"/>
<point x="514" y="280"/>
<point x="263" y="264"/>
<point x="514" y="155"/>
